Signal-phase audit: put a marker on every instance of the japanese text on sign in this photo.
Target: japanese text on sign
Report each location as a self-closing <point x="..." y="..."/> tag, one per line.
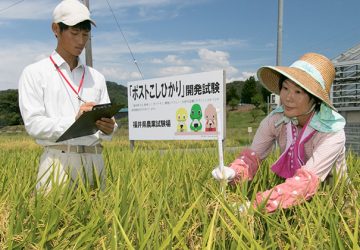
<point x="170" y="89"/>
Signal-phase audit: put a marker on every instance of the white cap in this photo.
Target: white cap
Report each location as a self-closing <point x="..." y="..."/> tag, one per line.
<point x="71" y="12"/>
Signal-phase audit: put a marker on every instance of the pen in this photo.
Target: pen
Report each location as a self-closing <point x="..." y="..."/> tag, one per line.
<point x="80" y="99"/>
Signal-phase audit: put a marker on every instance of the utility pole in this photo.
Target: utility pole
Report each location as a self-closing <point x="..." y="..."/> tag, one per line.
<point x="88" y="49"/>
<point x="279" y="33"/>
<point x="275" y="99"/>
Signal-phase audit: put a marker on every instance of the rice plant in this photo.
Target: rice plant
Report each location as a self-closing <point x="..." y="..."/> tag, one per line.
<point x="162" y="196"/>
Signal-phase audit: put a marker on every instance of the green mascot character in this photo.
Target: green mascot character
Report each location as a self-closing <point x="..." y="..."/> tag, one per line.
<point x="196" y="115"/>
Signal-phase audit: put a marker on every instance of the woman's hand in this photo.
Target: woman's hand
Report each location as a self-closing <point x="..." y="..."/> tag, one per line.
<point x="224" y="173"/>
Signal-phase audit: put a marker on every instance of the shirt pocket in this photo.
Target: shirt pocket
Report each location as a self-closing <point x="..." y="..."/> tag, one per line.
<point x="91" y="95"/>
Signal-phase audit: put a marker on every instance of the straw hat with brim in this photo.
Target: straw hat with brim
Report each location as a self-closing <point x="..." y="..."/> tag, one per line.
<point x="313" y="72"/>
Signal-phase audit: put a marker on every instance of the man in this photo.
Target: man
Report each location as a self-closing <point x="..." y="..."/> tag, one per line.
<point x="55" y="91"/>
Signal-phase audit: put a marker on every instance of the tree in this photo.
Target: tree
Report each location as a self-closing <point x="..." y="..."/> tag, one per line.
<point x="232" y="94"/>
<point x="249" y="90"/>
<point x="233" y="103"/>
<point x="265" y="93"/>
<point x="257" y="100"/>
<point x="255" y="113"/>
<point x="9" y="108"/>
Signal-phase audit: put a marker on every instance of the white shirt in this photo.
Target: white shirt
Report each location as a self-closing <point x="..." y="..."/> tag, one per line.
<point x="49" y="106"/>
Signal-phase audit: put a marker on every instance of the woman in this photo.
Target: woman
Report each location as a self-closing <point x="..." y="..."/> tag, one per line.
<point x="307" y="128"/>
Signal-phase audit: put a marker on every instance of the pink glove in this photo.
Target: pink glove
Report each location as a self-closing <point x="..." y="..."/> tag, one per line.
<point x="245" y="166"/>
<point x="302" y="186"/>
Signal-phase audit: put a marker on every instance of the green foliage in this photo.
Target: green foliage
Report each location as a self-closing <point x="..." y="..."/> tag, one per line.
<point x="249" y="90"/>
<point x="117" y="93"/>
<point x="237" y="128"/>
<point x="257" y="100"/>
<point x="265" y="93"/>
<point x="9" y="108"/>
<point x="232" y="94"/>
<point x="241" y="120"/>
<point x="162" y="196"/>
<point x="233" y="103"/>
<point x="255" y="113"/>
<point x="166" y="199"/>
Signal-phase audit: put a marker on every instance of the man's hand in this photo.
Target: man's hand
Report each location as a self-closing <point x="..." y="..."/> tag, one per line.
<point x="106" y="125"/>
<point x="87" y="106"/>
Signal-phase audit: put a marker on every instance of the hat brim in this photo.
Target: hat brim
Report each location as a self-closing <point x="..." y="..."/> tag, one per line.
<point x="269" y="77"/>
<point x="76" y="21"/>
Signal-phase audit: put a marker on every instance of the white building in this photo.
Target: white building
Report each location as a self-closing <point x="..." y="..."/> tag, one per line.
<point x="273" y="102"/>
<point x="346" y="94"/>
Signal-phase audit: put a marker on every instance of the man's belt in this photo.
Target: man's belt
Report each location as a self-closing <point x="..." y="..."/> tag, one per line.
<point x="80" y="149"/>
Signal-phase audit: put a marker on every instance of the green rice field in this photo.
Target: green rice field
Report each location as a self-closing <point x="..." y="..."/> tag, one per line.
<point x="161" y="195"/>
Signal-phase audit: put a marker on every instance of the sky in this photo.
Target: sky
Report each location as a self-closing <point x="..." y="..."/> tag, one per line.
<point x="176" y="37"/>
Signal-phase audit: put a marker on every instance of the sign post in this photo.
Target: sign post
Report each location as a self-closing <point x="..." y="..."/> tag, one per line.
<point x="250" y="132"/>
<point x="177" y="108"/>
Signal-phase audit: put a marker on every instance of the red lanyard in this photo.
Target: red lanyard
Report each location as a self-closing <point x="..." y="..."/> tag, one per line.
<point x="66" y="80"/>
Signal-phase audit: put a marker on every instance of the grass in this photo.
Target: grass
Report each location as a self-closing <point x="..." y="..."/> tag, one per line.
<point x="160" y="197"/>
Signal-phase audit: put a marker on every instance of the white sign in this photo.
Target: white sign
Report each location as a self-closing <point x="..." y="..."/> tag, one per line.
<point x="177" y="108"/>
<point x="250" y="129"/>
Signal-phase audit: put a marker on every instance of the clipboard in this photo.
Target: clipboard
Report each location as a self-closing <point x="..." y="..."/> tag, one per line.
<point x="85" y="124"/>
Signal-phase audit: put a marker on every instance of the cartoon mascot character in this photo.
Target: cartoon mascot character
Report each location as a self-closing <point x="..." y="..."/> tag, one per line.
<point x="181" y="117"/>
<point x="210" y="118"/>
<point x="196" y="115"/>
